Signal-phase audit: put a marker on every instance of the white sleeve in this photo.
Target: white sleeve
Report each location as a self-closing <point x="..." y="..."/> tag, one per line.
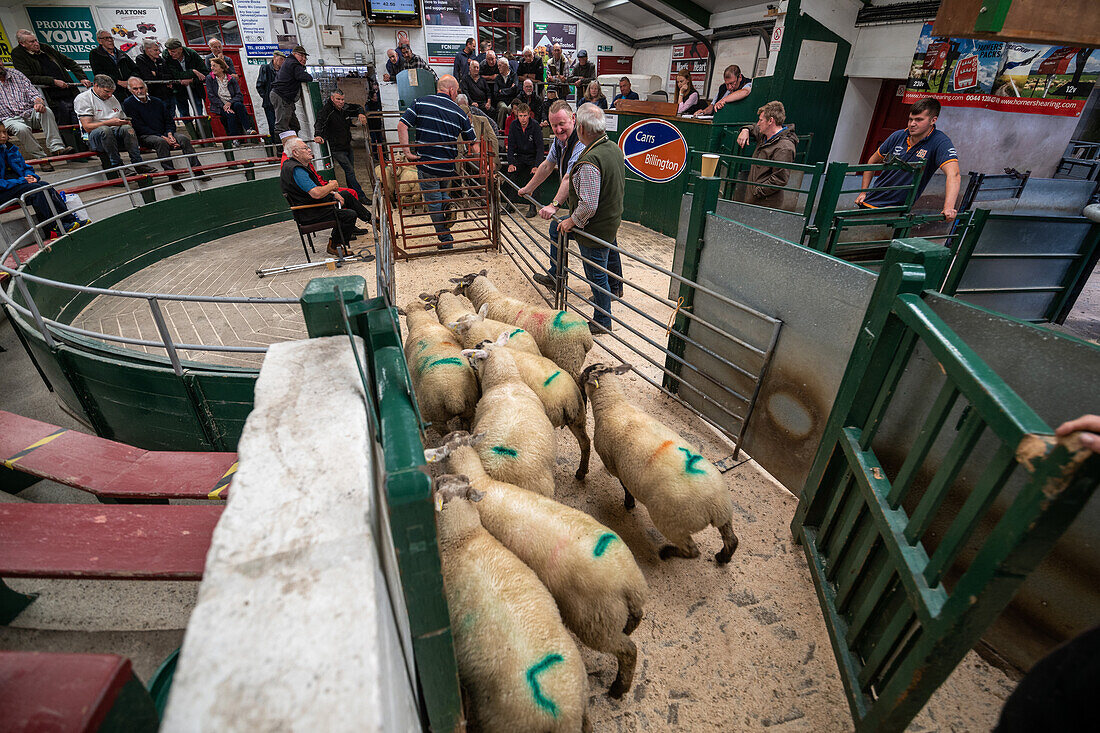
<point x="83" y="106"/>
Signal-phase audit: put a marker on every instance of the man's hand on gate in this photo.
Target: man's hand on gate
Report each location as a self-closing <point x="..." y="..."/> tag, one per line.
<point x="318" y="139"/>
<point x="1090" y="427"/>
<point x="511" y="169"/>
<point x="547" y="212"/>
<point x="950" y="214"/>
<point x="860" y="198"/>
<point x="60" y="83"/>
<point x="567" y="224"/>
<point x="525" y="191"/>
<point x="743" y="138"/>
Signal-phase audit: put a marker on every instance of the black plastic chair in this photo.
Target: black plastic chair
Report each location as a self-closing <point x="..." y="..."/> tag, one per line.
<point x="306" y="230"/>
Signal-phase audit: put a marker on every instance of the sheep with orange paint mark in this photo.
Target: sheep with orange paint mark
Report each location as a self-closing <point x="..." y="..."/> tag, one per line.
<point x="517" y="662"/>
<point x="442" y="378"/>
<point x="682" y="490"/>
<point x="562" y="337"/>
<point x="588" y="569"/>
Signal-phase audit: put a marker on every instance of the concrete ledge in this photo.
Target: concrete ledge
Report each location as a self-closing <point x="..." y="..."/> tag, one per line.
<point x="293" y="629"/>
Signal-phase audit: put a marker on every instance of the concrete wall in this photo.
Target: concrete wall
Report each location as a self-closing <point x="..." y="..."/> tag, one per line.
<point x="855" y="117"/>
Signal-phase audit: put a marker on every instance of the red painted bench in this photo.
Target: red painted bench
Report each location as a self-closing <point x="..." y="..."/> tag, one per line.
<point x="109" y="469"/>
<point x="73" y="693"/>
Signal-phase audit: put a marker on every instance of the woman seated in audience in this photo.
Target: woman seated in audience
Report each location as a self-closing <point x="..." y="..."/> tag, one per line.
<point x="594" y="95"/>
<point x="687" y="98"/>
<point x="18" y="178"/>
<point x="223" y="95"/>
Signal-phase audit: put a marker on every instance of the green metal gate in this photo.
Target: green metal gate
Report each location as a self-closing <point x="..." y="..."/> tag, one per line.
<point x="897" y="630"/>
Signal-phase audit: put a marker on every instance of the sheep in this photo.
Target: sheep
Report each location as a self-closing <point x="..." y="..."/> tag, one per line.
<point x="518" y="664"/>
<point x="407" y="180"/>
<point x="455" y="310"/>
<point x="443" y="380"/>
<point x="519" y="445"/>
<point x="683" y="491"/>
<point x="586" y="567"/>
<point x="562" y="337"/>
<point x="561" y="398"/>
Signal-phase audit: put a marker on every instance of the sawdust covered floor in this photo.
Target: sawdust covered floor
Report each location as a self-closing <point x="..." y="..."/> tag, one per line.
<point x="741" y="647"/>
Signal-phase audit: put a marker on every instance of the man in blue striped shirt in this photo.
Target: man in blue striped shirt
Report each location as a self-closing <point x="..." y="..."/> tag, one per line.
<point x="438" y="122"/>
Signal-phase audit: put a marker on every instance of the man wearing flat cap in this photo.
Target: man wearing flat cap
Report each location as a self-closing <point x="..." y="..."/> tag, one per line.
<point x="286" y="89"/>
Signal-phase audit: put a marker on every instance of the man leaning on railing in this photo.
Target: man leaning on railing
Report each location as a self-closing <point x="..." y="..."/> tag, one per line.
<point x="17" y="179"/>
<point x="775" y="140"/>
<point x="23" y="110"/>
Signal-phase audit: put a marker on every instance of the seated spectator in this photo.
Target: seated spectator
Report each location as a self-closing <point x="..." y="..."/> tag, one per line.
<point x="156" y="129"/>
<point x="394" y="65"/>
<point x="504" y="91"/>
<point x="625" y="92"/>
<point x="525" y="148"/>
<point x="530" y="97"/>
<point x="154" y="71"/>
<point x="109" y="61"/>
<point x="23" y="110"/>
<point x="100" y="114"/>
<point x="18" y="178"/>
<point x="531" y="66"/>
<point x="476" y="88"/>
<point x="593" y="95"/>
<point x="687" y="98"/>
<point x="489" y="67"/>
<point x="217" y="52"/>
<point x="350" y="199"/>
<point x="223" y="94"/>
<point x="302" y="186"/>
<point x="47" y="67"/>
<point x="188" y="67"/>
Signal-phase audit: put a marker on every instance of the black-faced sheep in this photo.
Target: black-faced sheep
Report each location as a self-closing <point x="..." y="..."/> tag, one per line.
<point x="586" y="567"/>
<point x="562" y="337"/>
<point x="682" y="490"/>
<point x="519" y="445"/>
<point x="442" y="378"/>
<point x="559" y="394"/>
<point x="456" y="311"/>
<point x="517" y="662"/>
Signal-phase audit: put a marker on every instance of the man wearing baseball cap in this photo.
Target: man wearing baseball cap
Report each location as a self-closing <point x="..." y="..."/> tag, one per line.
<point x="264" y="81"/>
<point x="582" y="73"/>
<point x="286" y="89"/>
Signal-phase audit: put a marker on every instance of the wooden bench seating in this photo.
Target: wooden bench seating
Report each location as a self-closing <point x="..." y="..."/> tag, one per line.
<point x="108" y="469"/>
<point x="75" y="693"/>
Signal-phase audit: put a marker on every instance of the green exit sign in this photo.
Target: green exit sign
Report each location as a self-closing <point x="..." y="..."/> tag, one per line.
<point x="603" y="49"/>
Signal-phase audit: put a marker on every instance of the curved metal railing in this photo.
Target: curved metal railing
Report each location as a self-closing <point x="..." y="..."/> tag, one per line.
<point x="49" y="328"/>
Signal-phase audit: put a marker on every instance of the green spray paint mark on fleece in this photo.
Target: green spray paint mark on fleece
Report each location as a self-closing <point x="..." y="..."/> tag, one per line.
<point x="551" y="378"/>
<point x="690" y="459"/>
<point x="502" y="450"/>
<point x="532" y="680"/>
<point x="559" y="321"/>
<point x="440" y="362"/>
<point x="513" y="333"/>
<point x="601" y="544"/>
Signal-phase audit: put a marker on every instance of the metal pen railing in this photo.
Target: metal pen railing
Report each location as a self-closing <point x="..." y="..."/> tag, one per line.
<point x="526" y="245"/>
<point x="50" y="328"/>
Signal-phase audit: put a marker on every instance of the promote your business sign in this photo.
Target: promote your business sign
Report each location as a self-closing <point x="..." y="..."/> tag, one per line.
<point x="654" y="149"/>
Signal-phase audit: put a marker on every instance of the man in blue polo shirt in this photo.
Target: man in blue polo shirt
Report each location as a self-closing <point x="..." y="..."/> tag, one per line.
<point x="438" y="122"/>
<point x="919" y="142"/>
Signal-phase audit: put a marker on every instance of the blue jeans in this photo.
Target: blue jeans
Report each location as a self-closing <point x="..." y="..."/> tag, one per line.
<point x="435" y="192"/>
<point x="605" y="257"/>
<point x="109" y="139"/>
<point x="236" y="121"/>
<point x="347" y="162"/>
<point x="38" y="201"/>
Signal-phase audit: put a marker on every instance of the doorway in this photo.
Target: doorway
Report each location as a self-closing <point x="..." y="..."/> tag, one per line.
<point x="891" y="114"/>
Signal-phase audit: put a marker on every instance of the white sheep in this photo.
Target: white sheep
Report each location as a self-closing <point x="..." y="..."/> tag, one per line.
<point x="682" y="490"/>
<point x="561" y="398"/>
<point x="562" y="337"/>
<point x="519" y="445"/>
<point x="588" y="569"/>
<point x="442" y="378"/>
<point x="518" y="664"/>
<point x="455" y="310"/>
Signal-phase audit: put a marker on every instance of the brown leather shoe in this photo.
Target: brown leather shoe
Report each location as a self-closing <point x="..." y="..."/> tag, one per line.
<point x="45" y="167"/>
<point x="334" y="249"/>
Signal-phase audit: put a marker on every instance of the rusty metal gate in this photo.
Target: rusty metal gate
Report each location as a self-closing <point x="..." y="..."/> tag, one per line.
<point x="899" y="623"/>
<point x="467" y="200"/>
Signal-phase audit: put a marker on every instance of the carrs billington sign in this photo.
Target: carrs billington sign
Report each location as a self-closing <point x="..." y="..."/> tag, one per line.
<point x="654" y="149"/>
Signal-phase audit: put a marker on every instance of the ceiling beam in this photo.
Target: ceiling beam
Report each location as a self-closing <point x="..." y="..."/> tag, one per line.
<point x="608" y="4"/>
<point x="689" y="10"/>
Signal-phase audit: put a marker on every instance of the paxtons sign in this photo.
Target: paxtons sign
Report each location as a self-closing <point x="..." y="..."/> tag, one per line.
<point x="654" y="149"/>
<point x="69" y="30"/>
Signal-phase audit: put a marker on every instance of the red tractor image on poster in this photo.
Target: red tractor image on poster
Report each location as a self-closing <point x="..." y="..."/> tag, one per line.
<point x="146" y="28"/>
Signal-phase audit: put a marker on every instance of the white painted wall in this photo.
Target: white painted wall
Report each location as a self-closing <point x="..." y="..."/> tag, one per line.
<point x="855" y="117"/>
<point x="883" y="51"/>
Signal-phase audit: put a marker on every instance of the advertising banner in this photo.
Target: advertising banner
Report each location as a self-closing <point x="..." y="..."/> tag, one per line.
<point x="654" y="149"/>
<point x="70" y="31"/>
<point x="5" y="47"/>
<point x="131" y="26"/>
<point x="547" y="34"/>
<point x="1009" y="77"/>
<point x="694" y="57"/>
<point x="447" y="25"/>
<point x="265" y="28"/>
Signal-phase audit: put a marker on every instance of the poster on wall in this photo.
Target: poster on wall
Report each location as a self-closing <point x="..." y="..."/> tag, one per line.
<point x="265" y="28"/>
<point x="70" y="31"/>
<point x="5" y="47"/>
<point x="131" y="26"/>
<point x="1008" y="77"/>
<point x="693" y="57"/>
<point x="547" y="34"/>
<point x="447" y="25"/>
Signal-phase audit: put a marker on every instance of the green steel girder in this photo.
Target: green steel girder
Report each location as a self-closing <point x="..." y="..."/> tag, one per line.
<point x="689" y="10"/>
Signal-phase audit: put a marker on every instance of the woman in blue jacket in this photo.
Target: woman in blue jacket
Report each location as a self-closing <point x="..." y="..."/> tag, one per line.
<point x="17" y="178"/>
<point x="223" y="95"/>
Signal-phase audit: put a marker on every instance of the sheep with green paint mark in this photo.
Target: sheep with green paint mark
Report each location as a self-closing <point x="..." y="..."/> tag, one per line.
<point x="457" y="313"/>
<point x="682" y="490"/>
<point x="562" y="337"/>
<point x="519" y="666"/>
<point x="519" y="445"/>
<point x="588" y="569"/>
<point x="559" y="394"/>
<point x="443" y="380"/>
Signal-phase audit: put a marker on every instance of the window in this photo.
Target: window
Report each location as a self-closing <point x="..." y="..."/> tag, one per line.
<point x="501" y="24"/>
<point x="206" y="20"/>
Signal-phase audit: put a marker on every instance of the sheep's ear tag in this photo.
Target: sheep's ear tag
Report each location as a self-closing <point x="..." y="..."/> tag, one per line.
<point x="596" y="382"/>
<point x="439" y="502"/>
<point x="483" y="310"/>
<point x="432" y="455"/>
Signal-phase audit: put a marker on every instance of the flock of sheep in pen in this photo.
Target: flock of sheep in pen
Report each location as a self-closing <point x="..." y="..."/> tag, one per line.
<point x="520" y="568"/>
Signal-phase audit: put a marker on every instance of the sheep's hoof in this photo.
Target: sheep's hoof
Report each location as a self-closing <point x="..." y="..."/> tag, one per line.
<point x="580" y="474"/>
<point x="723" y="557"/>
<point x="618" y="689"/>
<point x="668" y="551"/>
